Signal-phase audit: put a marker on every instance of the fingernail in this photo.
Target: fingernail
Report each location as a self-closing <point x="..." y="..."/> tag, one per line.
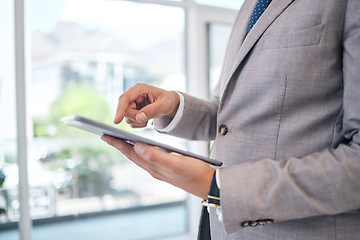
<point x="140" y="148"/>
<point x="142" y="116"/>
<point x="104" y="138"/>
<point x="115" y="115"/>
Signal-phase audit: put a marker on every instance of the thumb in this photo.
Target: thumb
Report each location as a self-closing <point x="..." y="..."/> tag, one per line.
<point x="153" y="110"/>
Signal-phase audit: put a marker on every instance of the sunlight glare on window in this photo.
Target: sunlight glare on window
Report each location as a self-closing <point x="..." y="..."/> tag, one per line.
<point x="233" y="4"/>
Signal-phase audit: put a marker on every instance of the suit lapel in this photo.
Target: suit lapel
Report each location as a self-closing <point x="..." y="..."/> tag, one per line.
<point x="240" y="27"/>
<point x="275" y="8"/>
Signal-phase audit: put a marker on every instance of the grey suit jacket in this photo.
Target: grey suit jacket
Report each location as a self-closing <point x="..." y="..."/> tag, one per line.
<point x="289" y="95"/>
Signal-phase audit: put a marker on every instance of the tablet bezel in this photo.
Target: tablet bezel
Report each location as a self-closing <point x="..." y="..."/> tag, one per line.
<point x="103" y="129"/>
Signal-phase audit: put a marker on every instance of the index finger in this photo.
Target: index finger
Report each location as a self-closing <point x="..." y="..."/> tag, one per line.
<point x="126" y="99"/>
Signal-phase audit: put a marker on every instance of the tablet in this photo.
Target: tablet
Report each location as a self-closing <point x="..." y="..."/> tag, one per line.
<point x="102" y="129"/>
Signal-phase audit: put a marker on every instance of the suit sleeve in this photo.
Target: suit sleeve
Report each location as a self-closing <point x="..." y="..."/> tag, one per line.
<point x="198" y="121"/>
<point x="322" y="183"/>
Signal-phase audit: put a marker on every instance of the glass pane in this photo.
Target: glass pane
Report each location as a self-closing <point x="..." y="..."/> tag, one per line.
<point x="9" y="199"/>
<point x="218" y="35"/>
<point x="233" y="4"/>
<point x="84" y="54"/>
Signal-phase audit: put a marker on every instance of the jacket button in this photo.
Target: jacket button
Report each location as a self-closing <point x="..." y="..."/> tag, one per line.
<point x="269" y="221"/>
<point x="223" y="130"/>
<point x="245" y="223"/>
<point x="264" y="221"/>
<point x="254" y="223"/>
<point x="259" y="222"/>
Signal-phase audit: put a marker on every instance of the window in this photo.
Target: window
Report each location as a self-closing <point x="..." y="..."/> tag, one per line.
<point x="8" y="137"/>
<point x="218" y="36"/>
<point x="81" y="64"/>
<point x="82" y="59"/>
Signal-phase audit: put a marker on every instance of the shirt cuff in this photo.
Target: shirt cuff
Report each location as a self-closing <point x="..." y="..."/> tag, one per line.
<point x="218" y="178"/>
<point x="165" y="124"/>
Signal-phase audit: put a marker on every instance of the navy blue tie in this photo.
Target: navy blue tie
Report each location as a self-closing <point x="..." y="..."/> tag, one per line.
<point x="260" y="7"/>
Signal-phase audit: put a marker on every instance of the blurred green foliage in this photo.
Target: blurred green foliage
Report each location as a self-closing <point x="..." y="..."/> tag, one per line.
<point x="84" y="157"/>
<point x="79" y="99"/>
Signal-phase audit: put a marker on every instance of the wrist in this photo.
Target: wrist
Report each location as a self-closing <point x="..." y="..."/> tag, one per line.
<point x="176" y="102"/>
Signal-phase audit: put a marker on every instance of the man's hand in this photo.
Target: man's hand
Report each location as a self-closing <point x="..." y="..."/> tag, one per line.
<point x="143" y="102"/>
<point x="190" y="174"/>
